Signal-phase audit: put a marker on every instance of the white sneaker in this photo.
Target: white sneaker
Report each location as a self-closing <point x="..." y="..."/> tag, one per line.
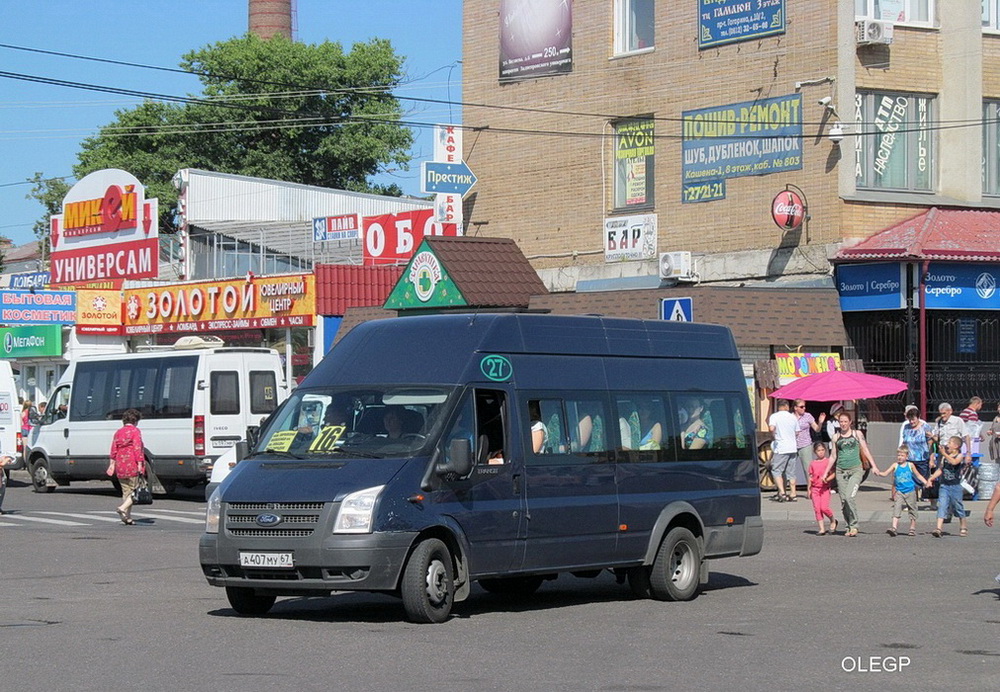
<point x="997" y="578"/>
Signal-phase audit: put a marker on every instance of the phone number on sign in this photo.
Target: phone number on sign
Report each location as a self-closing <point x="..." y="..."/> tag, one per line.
<point x="704" y="192"/>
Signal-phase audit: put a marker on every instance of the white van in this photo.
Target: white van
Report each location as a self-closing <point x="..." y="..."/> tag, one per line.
<point x="196" y="401"/>
<point x="10" y="417"/>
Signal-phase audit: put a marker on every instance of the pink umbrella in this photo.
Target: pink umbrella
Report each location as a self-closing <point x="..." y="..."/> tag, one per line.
<point x="835" y="385"/>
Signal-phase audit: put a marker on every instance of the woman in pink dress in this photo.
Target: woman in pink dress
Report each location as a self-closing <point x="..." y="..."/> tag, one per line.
<point x="128" y="461"/>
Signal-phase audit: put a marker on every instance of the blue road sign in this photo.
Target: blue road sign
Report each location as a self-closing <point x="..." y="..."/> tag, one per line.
<point x="446" y="178"/>
<point x="677" y="309"/>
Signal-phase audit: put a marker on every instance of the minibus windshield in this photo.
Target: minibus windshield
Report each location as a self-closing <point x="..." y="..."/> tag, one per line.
<point x="368" y="422"/>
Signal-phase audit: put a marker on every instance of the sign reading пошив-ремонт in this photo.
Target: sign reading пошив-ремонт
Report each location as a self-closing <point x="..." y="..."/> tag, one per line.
<point x="750" y="138"/>
<point x="729" y="21"/>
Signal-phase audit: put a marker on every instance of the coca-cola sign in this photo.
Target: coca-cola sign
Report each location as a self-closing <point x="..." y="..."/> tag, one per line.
<point x="788" y="210"/>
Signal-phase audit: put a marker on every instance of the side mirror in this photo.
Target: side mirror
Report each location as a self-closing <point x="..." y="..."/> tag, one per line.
<point x="242" y="450"/>
<point x="459" y="458"/>
<point x="253" y="436"/>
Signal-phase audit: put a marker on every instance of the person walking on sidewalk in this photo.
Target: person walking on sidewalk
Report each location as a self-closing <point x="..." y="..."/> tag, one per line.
<point x="128" y="461"/>
<point x="917" y="435"/>
<point x="819" y="489"/>
<point x="805" y="426"/>
<point x="903" y="473"/>
<point x="951" y="491"/>
<point x="785" y="452"/>
<point x="849" y="454"/>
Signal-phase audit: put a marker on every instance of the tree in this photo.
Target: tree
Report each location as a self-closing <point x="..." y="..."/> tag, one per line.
<point x="50" y="192"/>
<point x="309" y="114"/>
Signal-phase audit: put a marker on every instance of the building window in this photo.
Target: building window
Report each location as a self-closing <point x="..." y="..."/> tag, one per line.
<point x="894" y="149"/>
<point x="633" y="25"/>
<point x="991" y="14"/>
<point x="899" y="11"/>
<point x="634" y="156"/>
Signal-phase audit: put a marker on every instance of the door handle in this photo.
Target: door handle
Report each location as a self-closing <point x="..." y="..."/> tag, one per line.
<point x="66" y="432"/>
<point x="516" y="480"/>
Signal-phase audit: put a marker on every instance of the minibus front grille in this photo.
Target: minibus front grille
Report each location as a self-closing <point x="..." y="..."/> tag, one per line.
<point x="286" y="519"/>
<point x="271" y="533"/>
<point x="275" y="506"/>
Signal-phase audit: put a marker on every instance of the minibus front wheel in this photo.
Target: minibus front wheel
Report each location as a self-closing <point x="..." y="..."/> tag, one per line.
<point x="248" y="601"/>
<point x="428" y="586"/>
<point x="40" y="475"/>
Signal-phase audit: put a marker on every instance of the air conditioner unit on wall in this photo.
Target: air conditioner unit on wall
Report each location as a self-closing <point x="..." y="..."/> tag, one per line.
<point x="873" y="31"/>
<point x="676" y="265"/>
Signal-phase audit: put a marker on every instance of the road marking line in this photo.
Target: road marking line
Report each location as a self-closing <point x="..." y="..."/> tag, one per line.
<point x="167" y="517"/>
<point x="24" y="517"/>
<point x="82" y="516"/>
<point x="182" y="511"/>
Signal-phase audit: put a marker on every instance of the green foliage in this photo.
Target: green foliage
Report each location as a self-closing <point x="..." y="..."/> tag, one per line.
<point x="309" y="114"/>
<point x="49" y="192"/>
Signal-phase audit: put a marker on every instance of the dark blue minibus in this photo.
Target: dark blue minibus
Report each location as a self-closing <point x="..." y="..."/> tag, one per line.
<point x="426" y="453"/>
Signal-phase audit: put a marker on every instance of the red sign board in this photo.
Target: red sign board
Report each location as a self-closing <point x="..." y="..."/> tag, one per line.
<point x="788" y="210"/>
<point x="392" y="238"/>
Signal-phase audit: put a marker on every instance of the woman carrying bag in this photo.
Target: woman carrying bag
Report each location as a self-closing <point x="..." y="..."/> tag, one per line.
<point x="128" y="462"/>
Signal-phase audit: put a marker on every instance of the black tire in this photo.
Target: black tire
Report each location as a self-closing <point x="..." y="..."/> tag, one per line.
<point x="428" y="586"/>
<point x="248" y="602"/>
<point x="676" y="571"/>
<point x="512" y="587"/>
<point x="40" y="476"/>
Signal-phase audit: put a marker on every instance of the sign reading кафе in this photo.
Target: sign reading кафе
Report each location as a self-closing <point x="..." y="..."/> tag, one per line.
<point x="260" y="303"/>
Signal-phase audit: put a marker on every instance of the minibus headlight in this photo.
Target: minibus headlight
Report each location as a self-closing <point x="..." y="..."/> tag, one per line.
<point x="355" y="515"/>
<point x="212" y="512"/>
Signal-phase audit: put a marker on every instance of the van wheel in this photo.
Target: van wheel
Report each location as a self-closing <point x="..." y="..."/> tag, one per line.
<point x="248" y="602"/>
<point x="512" y="587"/>
<point x="675" y="575"/>
<point x="764" y="454"/>
<point x="40" y="476"/>
<point x="428" y="586"/>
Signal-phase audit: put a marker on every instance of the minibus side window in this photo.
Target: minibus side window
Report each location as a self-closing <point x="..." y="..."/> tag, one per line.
<point x="712" y="427"/>
<point x="547" y="425"/>
<point x="643" y="427"/>
<point x="588" y="427"/>
<point x="224" y="393"/>
<point x="481" y="420"/>
<point x="263" y="391"/>
<point x="176" y="387"/>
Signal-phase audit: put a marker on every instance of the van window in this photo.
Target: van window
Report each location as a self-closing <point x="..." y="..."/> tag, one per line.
<point x="224" y="393"/>
<point x="642" y="426"/>
<point x="481" y="420"/>
<point x="156" y="387"/>
<point x="177" y="387"/>
<point x="547" y="417"/>
<point x="711" y="427"/>
<point x="263" y="391"/>
<point x="576" y="426"/>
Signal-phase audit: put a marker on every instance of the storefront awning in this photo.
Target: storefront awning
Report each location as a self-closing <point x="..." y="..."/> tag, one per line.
<point x="964" y="235"/>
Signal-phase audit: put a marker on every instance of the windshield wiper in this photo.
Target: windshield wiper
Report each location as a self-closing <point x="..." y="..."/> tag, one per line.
<point x="285" y="455"/>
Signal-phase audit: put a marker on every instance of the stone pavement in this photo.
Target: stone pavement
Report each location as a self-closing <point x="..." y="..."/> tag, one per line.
<point x="874" y="509"/>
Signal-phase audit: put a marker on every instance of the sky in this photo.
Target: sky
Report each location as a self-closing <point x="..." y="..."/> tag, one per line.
<point x="42" y="126"/>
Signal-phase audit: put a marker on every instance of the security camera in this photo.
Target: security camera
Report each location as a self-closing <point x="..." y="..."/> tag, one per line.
<point x="836" y="133"/>
<point x="825" y="101"/>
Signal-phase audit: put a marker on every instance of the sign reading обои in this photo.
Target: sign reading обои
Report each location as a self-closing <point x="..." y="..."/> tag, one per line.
<point x="274" y="301"/>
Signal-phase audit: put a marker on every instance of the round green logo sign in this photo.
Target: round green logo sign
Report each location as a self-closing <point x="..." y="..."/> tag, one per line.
<point x="496" y="368"/>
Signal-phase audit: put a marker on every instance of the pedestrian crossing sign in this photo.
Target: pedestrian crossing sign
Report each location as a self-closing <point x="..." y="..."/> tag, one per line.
<point x="677" y="309"/>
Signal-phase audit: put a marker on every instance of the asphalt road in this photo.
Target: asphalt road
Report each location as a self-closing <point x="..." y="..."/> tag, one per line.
<point x="94" y="605"/>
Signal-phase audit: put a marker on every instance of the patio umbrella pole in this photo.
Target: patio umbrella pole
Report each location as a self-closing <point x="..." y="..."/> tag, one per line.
<point x="923" y="338"/>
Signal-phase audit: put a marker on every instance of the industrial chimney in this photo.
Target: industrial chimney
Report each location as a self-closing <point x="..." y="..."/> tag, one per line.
<point x="271" y="17"/>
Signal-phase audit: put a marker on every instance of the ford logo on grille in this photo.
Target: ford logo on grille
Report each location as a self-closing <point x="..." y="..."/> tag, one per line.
<point x="268" y="520"/>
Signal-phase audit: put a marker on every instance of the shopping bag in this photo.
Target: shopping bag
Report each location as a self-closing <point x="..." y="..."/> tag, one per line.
<point x="142" y="494"/>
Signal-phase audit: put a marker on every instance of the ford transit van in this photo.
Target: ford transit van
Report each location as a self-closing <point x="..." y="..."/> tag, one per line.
<point x="427" y="453"/>
<point x="196" y="401"/>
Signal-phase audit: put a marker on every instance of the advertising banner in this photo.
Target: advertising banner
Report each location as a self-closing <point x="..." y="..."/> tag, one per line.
<point x="729" y="21"/>
<point x="392" y="238"/>
<point x="751" y="138"/>
<point x="630" y="238"/>
<point x="792" y="366"/>
<point x="448" y="149"/>
<point x="98" y="312"/>
<point x="108" y="230"/>
<point x="343" y="227"/>
<point x="27" y="280"/>
<point x="37" y="307"/>
<point x="261" y="302"/>
<point x="875" y="286"/>
<point x="536" y="38"/>
<point x="31" y="342"/>
<point x="962" y="286"/>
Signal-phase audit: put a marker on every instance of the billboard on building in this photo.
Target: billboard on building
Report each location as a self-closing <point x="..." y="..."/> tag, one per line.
<point x="630" y="237"/>
<point x="37" y="307"/>
<point x="35" y="341"/>
<point x="392" y="238"/>
<point x="729" y="21"/>
<point x="250" y="303"/>
<point x="536" y="38"/>
<point x="98" y="312"/>
<point x="108" y="230"/>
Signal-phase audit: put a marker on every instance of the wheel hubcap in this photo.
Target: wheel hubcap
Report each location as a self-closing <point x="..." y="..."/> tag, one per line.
<point x="437" y="580"/>
<point x="681" y="565"/>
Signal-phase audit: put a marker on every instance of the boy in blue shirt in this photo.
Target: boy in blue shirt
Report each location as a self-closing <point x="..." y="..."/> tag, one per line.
<point x="950" y="493"/>
<point x="903" y="474"/>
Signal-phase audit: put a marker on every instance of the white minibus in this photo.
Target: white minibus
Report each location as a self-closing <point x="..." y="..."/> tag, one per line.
<point x="196" y="400"/>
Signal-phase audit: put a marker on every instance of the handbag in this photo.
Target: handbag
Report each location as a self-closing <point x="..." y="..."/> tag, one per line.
<point x="970" y="479"/>
<point x="142" y="494"/>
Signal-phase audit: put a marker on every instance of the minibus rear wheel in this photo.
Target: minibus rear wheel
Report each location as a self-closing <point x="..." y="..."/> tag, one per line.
<point x="247" y="601"/>
<point x="428" y="586"/>
<point x="676" y="571"/>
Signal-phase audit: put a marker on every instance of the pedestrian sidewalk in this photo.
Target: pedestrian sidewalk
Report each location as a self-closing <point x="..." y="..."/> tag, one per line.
<point x="874" y="507"/>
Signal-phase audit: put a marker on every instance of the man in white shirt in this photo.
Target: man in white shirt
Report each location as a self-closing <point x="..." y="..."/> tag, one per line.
<point x="783" y="424"/>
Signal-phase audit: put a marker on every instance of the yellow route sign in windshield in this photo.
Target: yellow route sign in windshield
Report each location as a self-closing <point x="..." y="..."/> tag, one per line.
<point x="328" y="438"/>
<point x="281" y="441"/>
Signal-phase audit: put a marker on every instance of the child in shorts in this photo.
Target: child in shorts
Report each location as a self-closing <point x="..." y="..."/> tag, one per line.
<point x="904" y="477"/>
<point x="950" y="491"/>
<point x="819" y="489"/>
